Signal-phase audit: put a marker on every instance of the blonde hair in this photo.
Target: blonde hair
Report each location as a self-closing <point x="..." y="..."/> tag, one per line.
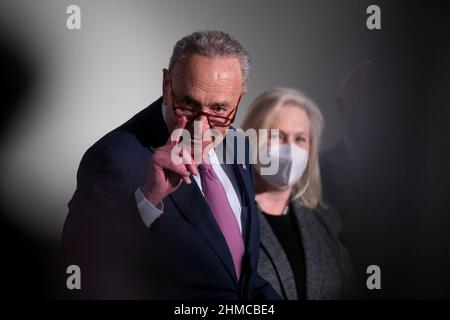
<point x="308" y="190"/>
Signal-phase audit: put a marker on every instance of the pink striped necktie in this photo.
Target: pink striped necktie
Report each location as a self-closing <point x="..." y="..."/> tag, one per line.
<point x="218" y="203"/>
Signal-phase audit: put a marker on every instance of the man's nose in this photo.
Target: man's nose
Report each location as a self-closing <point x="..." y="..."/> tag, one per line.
<point x="204" y="121"/>
<point x="199" y="124"/>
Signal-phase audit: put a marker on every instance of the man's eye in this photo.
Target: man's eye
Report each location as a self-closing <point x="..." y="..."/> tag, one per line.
<point x="300" y="139"/>
<point x="218" y="110"/>
<point x="188" y="103"/>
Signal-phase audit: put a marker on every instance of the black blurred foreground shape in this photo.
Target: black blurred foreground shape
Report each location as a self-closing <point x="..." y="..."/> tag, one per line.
<point x="407" y="198"/>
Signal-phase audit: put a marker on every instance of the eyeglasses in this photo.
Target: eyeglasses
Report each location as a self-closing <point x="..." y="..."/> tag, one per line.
<point x="213" y="119"/>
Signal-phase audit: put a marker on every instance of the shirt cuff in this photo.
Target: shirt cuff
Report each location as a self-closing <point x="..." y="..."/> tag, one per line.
<point x="148" y="212"/>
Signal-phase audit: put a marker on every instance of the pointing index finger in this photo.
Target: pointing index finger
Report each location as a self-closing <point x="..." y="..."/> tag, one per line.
<point x="178" y="130"/>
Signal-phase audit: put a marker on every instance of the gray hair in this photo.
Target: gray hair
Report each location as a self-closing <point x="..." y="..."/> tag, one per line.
<point x="212" y="44"/>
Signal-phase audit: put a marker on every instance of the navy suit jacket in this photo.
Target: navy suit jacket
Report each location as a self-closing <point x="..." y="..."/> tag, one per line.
<point x="183" y="254"/>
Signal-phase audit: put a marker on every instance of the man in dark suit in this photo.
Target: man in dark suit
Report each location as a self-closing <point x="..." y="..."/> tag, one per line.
<point x="142" y="225"/>
<point x="363" y="176"/>
<point x="346" y="172"/>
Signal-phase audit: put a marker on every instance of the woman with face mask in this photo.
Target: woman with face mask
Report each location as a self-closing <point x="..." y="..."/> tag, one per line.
<point x="301" y="254"/>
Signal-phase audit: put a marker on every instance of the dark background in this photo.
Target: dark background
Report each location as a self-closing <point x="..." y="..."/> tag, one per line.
<point x="410" y="216"/>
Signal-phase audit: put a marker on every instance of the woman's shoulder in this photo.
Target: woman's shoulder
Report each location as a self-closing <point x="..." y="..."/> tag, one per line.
<point x="323" y="214"/>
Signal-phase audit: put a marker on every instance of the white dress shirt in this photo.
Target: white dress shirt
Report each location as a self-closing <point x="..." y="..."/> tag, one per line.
<point x="149" y="213"/>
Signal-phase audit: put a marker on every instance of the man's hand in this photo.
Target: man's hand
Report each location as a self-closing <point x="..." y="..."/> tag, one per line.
<point x="164" y="175"/>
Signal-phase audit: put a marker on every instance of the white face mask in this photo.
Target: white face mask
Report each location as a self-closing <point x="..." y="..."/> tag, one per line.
<point x="292" y="163"/>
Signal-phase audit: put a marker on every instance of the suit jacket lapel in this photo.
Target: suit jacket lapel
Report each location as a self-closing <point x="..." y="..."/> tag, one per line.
<point x="229" y="146"/>
<point x="252" y="237"/>
<point x="193" y="206"/>
<point x="243" y="180"/>
<point x="243" y="172"/>
<point x="270" y="242"/>
<point x="312" y="250"/>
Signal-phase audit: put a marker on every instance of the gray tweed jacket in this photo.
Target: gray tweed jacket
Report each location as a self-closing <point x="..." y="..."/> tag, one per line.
<point x="329" y="273"/>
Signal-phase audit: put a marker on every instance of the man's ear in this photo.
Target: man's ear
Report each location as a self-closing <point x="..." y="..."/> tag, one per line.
<point x="242" y="96"/>
<point x="165" y="85"/>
